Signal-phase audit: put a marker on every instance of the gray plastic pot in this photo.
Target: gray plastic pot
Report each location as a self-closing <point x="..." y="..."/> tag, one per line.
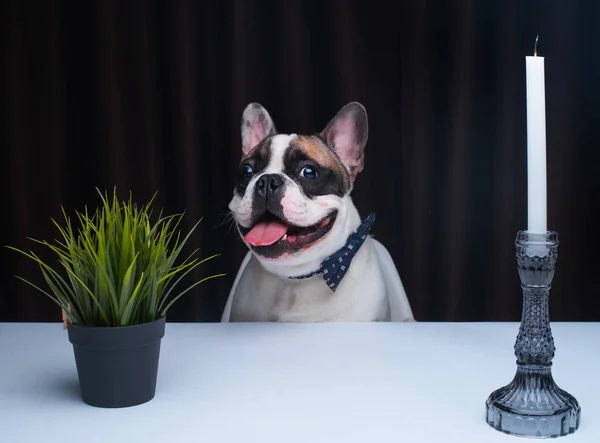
<point x="117" y="366"/>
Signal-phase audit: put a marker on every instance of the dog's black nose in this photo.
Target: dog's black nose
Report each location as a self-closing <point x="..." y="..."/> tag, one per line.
<point x="270" y="181"/>
<point x="268" y="184"/>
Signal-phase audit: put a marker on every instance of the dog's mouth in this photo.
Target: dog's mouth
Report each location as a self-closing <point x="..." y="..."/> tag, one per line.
<point x="271" y="230"/>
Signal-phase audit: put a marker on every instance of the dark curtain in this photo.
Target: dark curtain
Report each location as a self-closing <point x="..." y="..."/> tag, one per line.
<point x="147" y="96"/>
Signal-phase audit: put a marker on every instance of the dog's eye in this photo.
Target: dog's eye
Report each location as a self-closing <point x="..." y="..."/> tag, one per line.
<point x="247" y="171"/>
<point x="308" y="172"/>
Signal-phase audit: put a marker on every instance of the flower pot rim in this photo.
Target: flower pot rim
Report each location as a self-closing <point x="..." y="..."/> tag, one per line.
<point x="113" y="328"/>
<point x="107" y="337"/>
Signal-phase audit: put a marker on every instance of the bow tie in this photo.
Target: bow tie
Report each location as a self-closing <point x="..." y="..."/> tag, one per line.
<point x="334" y="267"/>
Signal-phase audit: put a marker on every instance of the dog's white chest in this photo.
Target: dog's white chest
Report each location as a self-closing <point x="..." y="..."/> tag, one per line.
<point x="262" y="296"/>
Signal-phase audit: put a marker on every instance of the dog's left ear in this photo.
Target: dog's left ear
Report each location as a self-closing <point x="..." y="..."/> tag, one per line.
<point x="256" y="126"/>
<point x="346" y="134"/>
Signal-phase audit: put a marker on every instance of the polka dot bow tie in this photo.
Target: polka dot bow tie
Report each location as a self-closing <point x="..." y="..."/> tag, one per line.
<point x="334" y="268"/>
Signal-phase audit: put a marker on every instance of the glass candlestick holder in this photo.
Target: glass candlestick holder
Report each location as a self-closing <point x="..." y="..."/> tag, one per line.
<point x="532" y="404"/>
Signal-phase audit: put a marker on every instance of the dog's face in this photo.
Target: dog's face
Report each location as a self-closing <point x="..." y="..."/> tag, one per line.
<point x="291" y="203"/>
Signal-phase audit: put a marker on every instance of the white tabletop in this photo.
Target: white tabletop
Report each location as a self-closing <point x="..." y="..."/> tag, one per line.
<point x="333" y="382"/>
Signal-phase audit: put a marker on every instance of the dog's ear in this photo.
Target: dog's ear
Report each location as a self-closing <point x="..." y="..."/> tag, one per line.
<point x="346" y="134"/>
<point x="256" y="126"/>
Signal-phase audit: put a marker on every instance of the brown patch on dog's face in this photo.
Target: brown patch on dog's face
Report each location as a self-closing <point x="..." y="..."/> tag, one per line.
<point x="318" y="150"/>
<point x="331" y="177"/>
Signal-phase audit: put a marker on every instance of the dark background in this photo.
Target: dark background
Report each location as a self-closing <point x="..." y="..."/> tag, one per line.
<point x="147" y="96"/>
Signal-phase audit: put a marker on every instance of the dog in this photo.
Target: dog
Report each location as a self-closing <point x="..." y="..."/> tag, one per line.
<point x="311" y="257"/>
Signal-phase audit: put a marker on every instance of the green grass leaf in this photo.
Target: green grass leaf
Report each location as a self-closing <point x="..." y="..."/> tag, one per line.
<point x="130" y="303"/>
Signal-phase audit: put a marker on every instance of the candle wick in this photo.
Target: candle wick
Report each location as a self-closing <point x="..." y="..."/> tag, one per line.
<point x="535" y="45"/>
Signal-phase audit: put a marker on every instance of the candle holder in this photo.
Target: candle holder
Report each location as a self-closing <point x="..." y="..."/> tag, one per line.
<point x="532" y="405"/>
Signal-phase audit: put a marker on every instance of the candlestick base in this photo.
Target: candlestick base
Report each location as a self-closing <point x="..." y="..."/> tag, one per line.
<point x="532" y="404"/>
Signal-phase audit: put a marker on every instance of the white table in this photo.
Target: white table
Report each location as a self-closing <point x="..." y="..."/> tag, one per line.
<point x="372" y="382"/>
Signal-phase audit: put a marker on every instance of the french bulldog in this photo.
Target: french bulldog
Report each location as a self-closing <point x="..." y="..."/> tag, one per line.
<point x="311" y="258"/>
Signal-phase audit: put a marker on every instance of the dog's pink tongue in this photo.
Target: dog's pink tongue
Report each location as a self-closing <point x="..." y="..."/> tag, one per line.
<point x="266" y="233"/>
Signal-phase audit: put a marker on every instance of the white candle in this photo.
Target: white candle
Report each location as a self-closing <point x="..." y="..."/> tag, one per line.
<point x="536" y="145"/>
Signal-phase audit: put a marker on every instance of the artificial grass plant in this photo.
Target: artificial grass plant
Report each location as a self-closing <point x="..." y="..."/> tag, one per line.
<point x="119" y="267"/>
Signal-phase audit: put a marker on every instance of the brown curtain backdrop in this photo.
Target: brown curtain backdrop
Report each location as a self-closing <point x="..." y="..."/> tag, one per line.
<point x="147" y="96"/>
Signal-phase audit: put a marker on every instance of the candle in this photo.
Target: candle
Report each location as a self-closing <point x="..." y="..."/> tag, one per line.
<point x="536" y="144"/>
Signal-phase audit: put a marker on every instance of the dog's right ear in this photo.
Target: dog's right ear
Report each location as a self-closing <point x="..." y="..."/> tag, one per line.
<point x="256" y="126"/>
<point x="347" y="135"/>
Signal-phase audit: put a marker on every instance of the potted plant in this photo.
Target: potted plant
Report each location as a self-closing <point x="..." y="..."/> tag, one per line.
<point x="115" y="281"/>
